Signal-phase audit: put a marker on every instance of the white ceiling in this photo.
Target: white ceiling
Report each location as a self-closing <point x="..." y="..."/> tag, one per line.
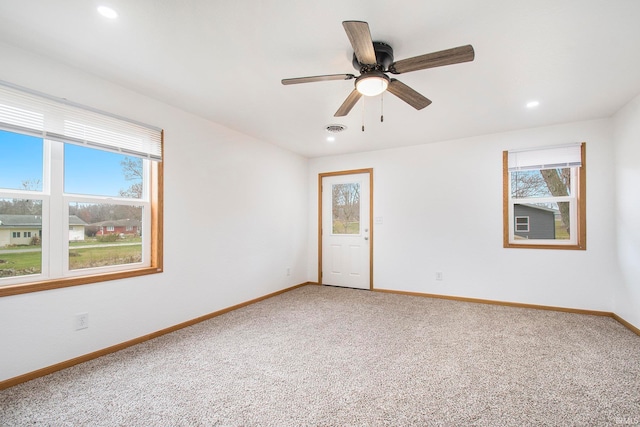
<point x="224" y="60"/>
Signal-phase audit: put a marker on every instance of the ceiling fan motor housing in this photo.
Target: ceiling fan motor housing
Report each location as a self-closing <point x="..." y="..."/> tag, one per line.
<point x="384" y="58"/>
<point x="378" y="60"/>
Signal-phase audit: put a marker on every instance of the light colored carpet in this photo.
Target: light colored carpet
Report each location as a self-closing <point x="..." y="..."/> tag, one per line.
<point x="323" y="356"/>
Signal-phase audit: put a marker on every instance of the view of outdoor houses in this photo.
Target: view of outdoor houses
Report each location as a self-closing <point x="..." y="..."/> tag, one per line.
<point x="100" y="234"/>
<point x="93" y="242"/>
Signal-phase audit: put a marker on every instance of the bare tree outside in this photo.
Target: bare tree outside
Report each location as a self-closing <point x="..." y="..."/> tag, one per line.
<point x="32" y="184"/>
<point x="345" y="201"/>
<point x="559" y="184"/>
<point x="526" y="184"/>
<point x="23" y="206"/>
<point x="132" y="171"/>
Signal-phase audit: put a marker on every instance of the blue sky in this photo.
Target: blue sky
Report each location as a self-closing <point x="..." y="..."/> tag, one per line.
<point x="20" y="159"/>
<point x="87" y="171"/>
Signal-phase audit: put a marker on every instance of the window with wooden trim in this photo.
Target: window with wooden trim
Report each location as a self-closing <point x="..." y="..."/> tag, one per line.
<point x="82" y="172"/>
<point x="544" y="197"/>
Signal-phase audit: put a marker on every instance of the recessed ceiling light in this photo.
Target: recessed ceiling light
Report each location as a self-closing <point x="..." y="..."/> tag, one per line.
<point x="333" y="129"/>
<point x="532" y="104"/>
<point x="107" y="12"/>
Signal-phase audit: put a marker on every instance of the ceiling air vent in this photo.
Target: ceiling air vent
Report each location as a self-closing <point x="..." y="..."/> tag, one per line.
<point x="336" y="128"/>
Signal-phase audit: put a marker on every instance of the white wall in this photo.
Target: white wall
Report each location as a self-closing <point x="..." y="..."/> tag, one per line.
<point x="627" y="169"/>
<point x="235" y="219"/>
<point x="441" y="206"/>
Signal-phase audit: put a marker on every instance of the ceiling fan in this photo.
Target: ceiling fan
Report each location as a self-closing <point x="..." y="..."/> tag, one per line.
<point x="375" y="59"/>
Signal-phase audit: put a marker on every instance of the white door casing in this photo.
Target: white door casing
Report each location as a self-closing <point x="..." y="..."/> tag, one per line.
<point x="346" y="229"/>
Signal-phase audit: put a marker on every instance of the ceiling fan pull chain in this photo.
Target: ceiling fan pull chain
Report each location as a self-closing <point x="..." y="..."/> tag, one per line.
<point x="363" y="101"/>
<point x="382" y="107"/>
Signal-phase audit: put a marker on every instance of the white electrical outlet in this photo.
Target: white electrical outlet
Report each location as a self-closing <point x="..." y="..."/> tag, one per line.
<point x="82" y="321"/>
<point x="439" y="275"/>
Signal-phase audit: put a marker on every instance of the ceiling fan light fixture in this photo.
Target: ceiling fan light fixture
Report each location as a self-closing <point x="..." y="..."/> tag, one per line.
<point x="372" y="83"/>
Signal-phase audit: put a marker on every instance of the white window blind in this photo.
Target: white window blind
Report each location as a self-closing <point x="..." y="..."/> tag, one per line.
<point x="41" y="115"/>
<point x="562" y="156"/>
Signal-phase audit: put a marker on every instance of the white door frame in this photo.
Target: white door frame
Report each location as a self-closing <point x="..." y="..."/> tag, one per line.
<point x="348" y="172"/>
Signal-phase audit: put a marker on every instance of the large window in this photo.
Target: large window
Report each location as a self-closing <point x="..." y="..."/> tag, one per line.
<point x="80" y="194"/>
<point x="544" y="198"/>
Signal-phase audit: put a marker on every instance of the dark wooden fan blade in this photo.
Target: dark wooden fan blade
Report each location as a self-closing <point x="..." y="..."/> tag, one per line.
<point x="407" y="94"/>
<point x="435" y="59"/>
<point x="360" y="38"/>
<point x="348" y="104"/>
<point x="317" y="78"/>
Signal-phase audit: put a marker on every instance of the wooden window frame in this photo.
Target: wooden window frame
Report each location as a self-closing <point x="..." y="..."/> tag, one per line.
<point x="581" y="209"/>
<point x="156" y="189"/>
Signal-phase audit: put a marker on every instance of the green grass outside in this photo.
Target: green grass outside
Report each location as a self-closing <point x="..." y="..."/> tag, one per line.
<point x="18" y="247"/>
<point x="93" y="241"/>
<point x="20" y="264"/>
<point x="99" y="257"/>
<point x="77" y="243"/>
<point x="352" y="227"/>
<point x="23" y="263"/>
<point x="561" y="232"/>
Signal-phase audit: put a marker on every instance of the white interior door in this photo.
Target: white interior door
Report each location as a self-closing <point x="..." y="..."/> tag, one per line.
<point x="345" y="230"/>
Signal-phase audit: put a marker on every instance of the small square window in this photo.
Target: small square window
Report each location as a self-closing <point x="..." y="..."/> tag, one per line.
<point x="544" y="197"/>
<point x="522" y="223"/>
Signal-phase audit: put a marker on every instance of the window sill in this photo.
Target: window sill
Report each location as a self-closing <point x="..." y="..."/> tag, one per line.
<point x="46" y="285"/>
<point x="543" y="246"/>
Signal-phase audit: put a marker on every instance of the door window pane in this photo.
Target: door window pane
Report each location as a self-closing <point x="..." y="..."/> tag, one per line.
<point x="20" y="162"/>
<point x="345" y="203"/>
<point x="104" y="235"/>
<point x="20" y="237"/>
